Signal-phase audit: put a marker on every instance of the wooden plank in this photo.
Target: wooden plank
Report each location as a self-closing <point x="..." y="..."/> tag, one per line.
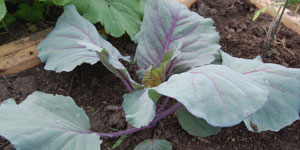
<point x="22" y="54"/>
<point x="187" y="3"/>
<point x="290" y="19"/>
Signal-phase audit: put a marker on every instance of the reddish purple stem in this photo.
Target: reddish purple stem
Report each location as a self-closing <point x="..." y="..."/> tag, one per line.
<point x="127" y="85"/>
<point x="152" y="124"/>
<point x="162" y="107"/>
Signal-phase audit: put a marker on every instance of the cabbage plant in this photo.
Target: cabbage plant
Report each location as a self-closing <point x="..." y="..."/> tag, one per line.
<point x="180" y="59"/>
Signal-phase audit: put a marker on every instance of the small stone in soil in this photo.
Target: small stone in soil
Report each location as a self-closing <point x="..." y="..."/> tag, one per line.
<point x="213" y="11"/>
<point x="112" y="108"/>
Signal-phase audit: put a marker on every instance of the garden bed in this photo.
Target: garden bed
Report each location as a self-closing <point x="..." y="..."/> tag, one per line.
<point x="94" y="87"/>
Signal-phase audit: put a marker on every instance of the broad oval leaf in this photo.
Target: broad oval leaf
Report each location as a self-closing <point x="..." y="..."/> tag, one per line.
<point x="47" y="122"/>
<point x="217" y="94"/>
<point x="2" y="9"/>
<point x="139" y="107"/>
<point x="283" y="106"/>
<point x="117" y="16"/>
<point x="61" y="50"/>
<point x="168" y="23"/>
<point x="195" y="126"/>
<point x="157" y="144"/>
<point x="61" y="2"/>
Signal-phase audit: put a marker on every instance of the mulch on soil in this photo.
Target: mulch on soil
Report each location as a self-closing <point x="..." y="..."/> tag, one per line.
<point x="94" y="87"/>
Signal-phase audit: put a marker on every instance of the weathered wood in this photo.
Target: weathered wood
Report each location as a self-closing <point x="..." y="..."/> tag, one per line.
<point x="289" y="19"/>
<point x="22" y="54"/>
<point x="187" y="3"/>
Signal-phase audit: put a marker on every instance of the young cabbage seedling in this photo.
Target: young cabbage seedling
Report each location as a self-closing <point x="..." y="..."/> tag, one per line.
<point x="179" y="56"/>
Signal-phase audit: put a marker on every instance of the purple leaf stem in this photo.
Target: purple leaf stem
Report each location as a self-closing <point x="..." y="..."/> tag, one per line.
<point x="127" y="85"/>
<point x="152" y="124"/>
<point x="167" y="112"/>
<point x="117" y="134"/>
<point x="162" y="107"/>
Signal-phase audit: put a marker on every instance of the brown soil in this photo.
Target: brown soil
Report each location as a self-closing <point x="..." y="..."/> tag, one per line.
<point x="94" y="87"/>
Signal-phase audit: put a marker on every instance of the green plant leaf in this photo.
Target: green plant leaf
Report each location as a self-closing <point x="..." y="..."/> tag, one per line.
<point x="283" y="106"/>
<point x="258" y="13"/>
<point x="61" y="50"/>
<point x="30" y="13"/>
<point x="168" y="23"/>
<point x="139" y="108"/>
<point x="216" y="93"/>
<point x="294" y="1"/>
<point x="156" y="145"/>
<point x="117" y="16"/>
<point x="46" y="122"/>
<point x="61" y="2"/>
<point x="195" y="126"/>
<point x="2" y="9"/>
<point x="119" y="142"/>
<point x="7" y="20"/>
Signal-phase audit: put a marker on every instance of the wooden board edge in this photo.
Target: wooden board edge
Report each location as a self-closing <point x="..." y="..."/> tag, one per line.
<point x="187" y="3"/>
<point x="21" y="55"/>
<point x="290" y="19"/>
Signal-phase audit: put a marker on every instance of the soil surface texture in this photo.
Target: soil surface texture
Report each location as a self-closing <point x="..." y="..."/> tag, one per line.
<point x="99" y="92"/>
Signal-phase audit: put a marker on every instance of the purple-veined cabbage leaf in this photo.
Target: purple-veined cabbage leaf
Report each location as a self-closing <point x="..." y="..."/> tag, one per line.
<point x="139" y="107"/>
<point x="74" y="41"/>
<point x="283" y="106"/>
<point x="156" y="144"/>
<point x="153" y="76"/>
<point x="43" y="121"/>
<point x="195" y="126"/>
<point x="61" y="50"/>
<point x="216" y="94"/>
<point x="168" y="23"/>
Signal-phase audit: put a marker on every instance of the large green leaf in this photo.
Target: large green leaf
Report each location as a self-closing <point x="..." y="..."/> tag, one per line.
<point x="117" y="16"/>
<point x="216" y="93"/>
<point x="7" y="20"/>
<point x="32" y="12"/>
<point x="156" y="145"/>
<point x="47" y="122"/>
<point x="294" y="1"/>
<point x="61" y="49"/>
<point x="168" y="23"/>
<point x="283" y="106"/>
<point x="61" y="2"/>
<point x="195" y="126"/>
<point x="139" y="108"/>
<point x="2" y="9"/>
